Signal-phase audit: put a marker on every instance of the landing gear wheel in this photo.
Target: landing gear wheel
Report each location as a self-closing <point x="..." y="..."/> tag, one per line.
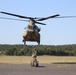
<point x="24" y="42"/>
<point x="38" y="42"/>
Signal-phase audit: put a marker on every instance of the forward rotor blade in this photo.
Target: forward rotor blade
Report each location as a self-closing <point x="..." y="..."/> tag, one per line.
<point x="15" y="15"/>
<point x="13" y="19"/>
<point x="40" y="23"/>
<point x="48" y="17"/>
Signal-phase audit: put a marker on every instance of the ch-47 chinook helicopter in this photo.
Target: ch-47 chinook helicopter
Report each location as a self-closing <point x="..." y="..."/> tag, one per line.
<point x="32" y="30"/>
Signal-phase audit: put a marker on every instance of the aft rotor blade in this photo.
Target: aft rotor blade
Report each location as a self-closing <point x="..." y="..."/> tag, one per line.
<point x="40" y="23"/>
<point x="15" y="15"/>
<point x="48" y="17"/>
<point x="13" y="19"/>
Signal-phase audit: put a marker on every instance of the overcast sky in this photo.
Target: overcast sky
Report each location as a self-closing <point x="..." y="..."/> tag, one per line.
<point x="56" y="32"/>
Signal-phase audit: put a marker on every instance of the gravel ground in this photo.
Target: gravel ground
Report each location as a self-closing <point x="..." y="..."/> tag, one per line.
<point x="43" y="69"/>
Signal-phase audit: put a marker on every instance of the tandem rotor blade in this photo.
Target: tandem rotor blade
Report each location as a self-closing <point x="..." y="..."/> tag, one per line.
<point x="41" y="19"/>
<point x="13" y="19"/>
<point x="66" y="17"/>
<point x="15" y="15"/>
<point x="40" y="23"/>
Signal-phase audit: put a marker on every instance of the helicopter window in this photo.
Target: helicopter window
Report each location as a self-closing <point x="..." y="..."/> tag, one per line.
<point x="31" y="27"/>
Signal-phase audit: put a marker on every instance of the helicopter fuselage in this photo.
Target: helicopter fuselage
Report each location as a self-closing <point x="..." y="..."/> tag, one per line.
<point x="31" y="33"/>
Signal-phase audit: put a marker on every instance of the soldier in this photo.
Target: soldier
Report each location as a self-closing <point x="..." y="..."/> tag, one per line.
<point x="34" y="62"/>
<point x="34" y="56"/>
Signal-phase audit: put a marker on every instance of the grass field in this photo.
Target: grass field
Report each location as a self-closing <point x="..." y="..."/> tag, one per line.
<point x="41" y="59"/>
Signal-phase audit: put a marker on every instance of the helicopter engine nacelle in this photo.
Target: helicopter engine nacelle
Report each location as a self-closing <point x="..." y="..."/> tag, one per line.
<point x="39" y="29"/>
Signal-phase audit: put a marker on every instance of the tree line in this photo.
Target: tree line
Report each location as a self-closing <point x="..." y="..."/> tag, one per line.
<point x="21" y="50"/>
